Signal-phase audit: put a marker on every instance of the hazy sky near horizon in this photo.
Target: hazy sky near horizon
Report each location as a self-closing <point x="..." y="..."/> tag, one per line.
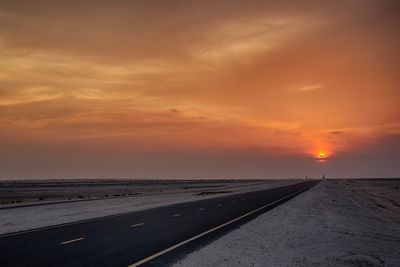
<point x="199" y="89"/>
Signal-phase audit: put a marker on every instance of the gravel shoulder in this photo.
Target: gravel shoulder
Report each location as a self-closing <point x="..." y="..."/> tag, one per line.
<point x="336" y="223"/>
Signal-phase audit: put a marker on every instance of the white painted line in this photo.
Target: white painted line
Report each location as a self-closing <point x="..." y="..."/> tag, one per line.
<point x="176" y="215"/>
<point x="72" y="241"/>
<point x="200" y="209"/>
<point x="149" y="258"/>
<point x="219" y="205"/>
<point x="136" y="225"/>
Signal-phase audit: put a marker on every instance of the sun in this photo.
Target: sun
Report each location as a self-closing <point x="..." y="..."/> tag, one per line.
<point x="321" y="156"/>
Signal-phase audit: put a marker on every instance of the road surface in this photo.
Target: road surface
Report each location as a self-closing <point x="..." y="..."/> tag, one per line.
<point x="148" y="237"/>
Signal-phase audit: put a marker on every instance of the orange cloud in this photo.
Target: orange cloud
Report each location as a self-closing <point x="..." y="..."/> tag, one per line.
<point x="285" y="78"/>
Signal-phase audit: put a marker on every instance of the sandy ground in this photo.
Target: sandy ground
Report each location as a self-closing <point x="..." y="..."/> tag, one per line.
<point x="336" y="223"/>
<point x="25" y="218"/>
<point x="15" y="193"/>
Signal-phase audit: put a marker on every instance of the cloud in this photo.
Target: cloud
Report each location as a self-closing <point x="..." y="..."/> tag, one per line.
<point x="28" y="95"/>
<point x="283" y="77"/>
<point x="308" y="88"/>
<point x="125" y="31"/>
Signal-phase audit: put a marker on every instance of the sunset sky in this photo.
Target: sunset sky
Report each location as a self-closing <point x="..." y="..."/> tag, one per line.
<point x="199" y="89"/>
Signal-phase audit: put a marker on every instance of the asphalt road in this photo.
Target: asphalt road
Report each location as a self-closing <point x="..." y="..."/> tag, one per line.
<point x="143" y="237"/>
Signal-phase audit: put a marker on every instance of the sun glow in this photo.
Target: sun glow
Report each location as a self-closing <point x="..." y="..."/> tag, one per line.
<point x="321" y="150"/>
<point x="321" y="156"/>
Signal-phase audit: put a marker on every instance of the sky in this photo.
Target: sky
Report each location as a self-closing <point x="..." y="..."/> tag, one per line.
<point x="199" y="89"/>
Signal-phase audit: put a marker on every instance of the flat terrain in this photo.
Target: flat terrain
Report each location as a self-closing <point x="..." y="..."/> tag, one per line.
<point x="30" y="215"/>
<point x="335" y="223"/>
<point x="31" y="192"/>
<point x="138" y="237"/>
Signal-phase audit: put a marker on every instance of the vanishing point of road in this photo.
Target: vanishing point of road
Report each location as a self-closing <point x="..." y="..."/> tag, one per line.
<point x="148" y="237"/>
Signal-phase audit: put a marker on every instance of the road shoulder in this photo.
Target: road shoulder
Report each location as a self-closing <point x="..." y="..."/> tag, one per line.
<point x="335" y="223"/>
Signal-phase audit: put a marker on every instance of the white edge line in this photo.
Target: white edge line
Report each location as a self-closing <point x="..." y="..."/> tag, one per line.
<point x="71" y="241"/>
<point x="176" y="215"/>
<point x="207" y="232"/>
<point x="136" y="225"/>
